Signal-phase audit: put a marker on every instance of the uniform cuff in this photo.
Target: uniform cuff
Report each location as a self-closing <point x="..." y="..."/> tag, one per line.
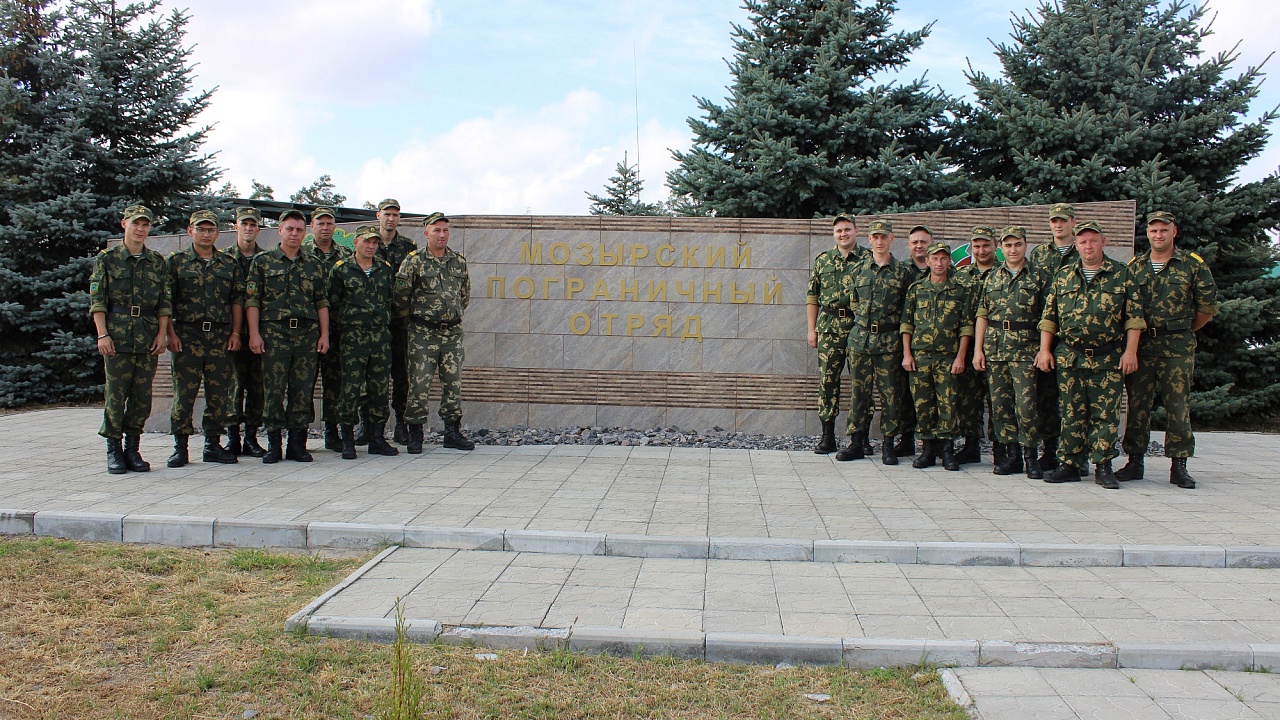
<point x="811" y="300"/>
<point x="966" y="331"/>
<point x="1048" y="326"/>
<point x="97" y="308"/>
<point x="1208" y="309"/>
<point x="322" y="304"/>
<point x="251" y="304"/>
<point x="907" y="329"/>
<point x="1135" y="324"/>
<point x="982" y="312"/>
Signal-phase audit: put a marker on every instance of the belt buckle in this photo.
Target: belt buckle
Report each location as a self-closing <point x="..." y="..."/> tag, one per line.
<point x="135" y="311"/>
<point x="206" y="326"/>
<point x="1088" y="352"/>
<point x="293" y="323"/>
<point x="1152" y="332"/>
<point x="842" y="312"/>
<point x="875" y="327"/>
<point x="1007" y="326"/>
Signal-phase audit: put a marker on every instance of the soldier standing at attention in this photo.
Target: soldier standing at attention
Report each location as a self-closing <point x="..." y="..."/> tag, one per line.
<point x="247" y="403"/>
<point x="829" y="318"/>
<point x="129" y="304"/>
<point x="360" y="302"/>
<point x="937" y="328"/>
<point x="879" y="285"/>
<point x="1008" y="307"/>
<point x="918" y="242"/>
<point x="394" y="249"/>
<point x="432" y="291"/>
<point x="972" y="401"/>
<point x="1052" y="257"/>
<point x="1179" y="297"/>
<point x="288" y="315"/>
<point x="1094" y="310"/>
<point x="206" y="290"/>
<point x="323" y="248"/>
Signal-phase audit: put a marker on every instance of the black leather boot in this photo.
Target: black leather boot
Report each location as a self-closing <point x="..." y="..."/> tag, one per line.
<point x="251" y="446"/>
<point x="233" y="440"/>
<point x="827" y="443"/>
<point x="971" y="452"/>
<point x="347" y="436"/>
<point x="1178" y="474"/>
<point x="332" y="440"/>
<point x="453" y="437"/>
<point x="1103" y="476"/>
<point x="1034" y="471"/>
<point x="132" y="459"/>
<point x="378" y="443"/>
<point x="215" y="453"/>
<point x="855" y="450"/>
<point x="866" y="445"/>
<point x="115" y="457"/>
<point x="297" y="448"/>
<point x="401" y="432"/>
<point x="1049" y="458"/>
<point x="999" y="451"/>
<point x="906" y="446"/>
<point x="273" y="452"/>
<point x="928" y="455"/>
<point x="949" y="460"/>
<point x="1014" y="455"/>
<point x="1134" y="469"/>
<point x="362" y="430"/>
<point x="887" y="456"/>
<point x="1003" y="454"/>
<point x="180" y="456"/>
<point x="414" y="441"/>
<point x="1064" y="473"/>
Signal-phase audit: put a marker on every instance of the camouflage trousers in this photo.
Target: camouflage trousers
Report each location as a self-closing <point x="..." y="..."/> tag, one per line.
<point x="207" y="360"/>
<point x="399" y="368"/>
<point x="1089" y="402"/>
<point x="246" y="404"/>
<point x="432" y="352"/>
<point x="1013" y="402"/>
<point x="127" y="397"/>
<point x="289" y="370"/>
<point x="1169" y="380"/>
<point x="832" y="356"/>
<point x="934" y="390"/>
<point x="883" y="372"/>
<point x="330" y="375"/>
<point x="1050" y="419"/>
<point x="972" y="402"/>
<point x="366" y="370"/>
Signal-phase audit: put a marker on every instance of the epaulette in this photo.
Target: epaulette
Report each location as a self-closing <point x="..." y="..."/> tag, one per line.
<point x="384" y="262"/>
<point x="461" y="256"/>
<point x="339" y="263"/>
<point x="1132" y="260"/>
<point x="1197" y="257"/>
<point x="411" y="253"/>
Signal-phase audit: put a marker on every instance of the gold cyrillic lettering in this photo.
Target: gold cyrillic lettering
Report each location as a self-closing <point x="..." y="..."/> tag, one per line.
<point x="690" y="256"/>
<point x="742" y="257"/>
<point x="497" y="285"/>
<point x="586" y="323"/>
<point x="738" y="297"/>
<point x="531" y="253"/>
<point x="546" y="287"/>
<point x="600" y="291"/>
<point x="610" y="259"/>
<point x="681" y="291"/>
<point x="639" y="252"/>
<point x="665" y="256"/>
<point x="528" y="281"/>
<point x="572" y="287"/>
<point x="634" y="322"/>
<point x="715" y="255"/>
<point x="586" y="257"/>
<point x="692" y="328"/>
<point x="661" y="323"/>
<point x="773" y="293"/>
<point x="608" y="322"/>
<point x="558" y="247"/>
<point x="657" y="291"/>
<point x="709" y="290"/>
<point x="632" y="290"/>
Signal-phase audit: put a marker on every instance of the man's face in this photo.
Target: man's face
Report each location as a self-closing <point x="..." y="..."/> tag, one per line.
<point x="917" y="243"/>
<point x="983" y="251"/>
<point x="1161" y="234"/>
<point x="938" y="264"/>
<point x="1089" y="244"/>
<point x="247" y="231"/>
<point x="323" y="227"/>
<point x="367" y="247"/>
<point x="437" y="236"/>
<point x="203" y="236"/>
<point x="388" y="218"/>
<point x="880" y="242"/>
<point x="1015" y="250"/>
<point x="1061" y="228"/>
<point x="291" y="233"/>
<point x="846" y="235"/>
<point x="136" y="229"/>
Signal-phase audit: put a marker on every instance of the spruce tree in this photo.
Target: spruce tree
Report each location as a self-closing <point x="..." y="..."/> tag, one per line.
<point x="321" y="191"/>
<point x="96" y="108"/>
<point x="622" y="194"/>
<point x="808" y="131"/>
<point x="1111" y="100"/>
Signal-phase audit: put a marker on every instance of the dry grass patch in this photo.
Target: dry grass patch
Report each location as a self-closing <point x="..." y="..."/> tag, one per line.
<point x="115" y="631"/>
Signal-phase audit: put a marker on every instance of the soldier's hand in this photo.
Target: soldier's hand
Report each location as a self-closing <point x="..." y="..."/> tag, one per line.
<point x="957" y="366"/>
<point x="322" y="345"/>
<point x="909" y="363"/>
<point x="175" y="344"/>
<point x="1044" y="361"/>
<point x="1128" y="363"/>
<point x="107" y="346"/>
<point x="159" y="344"/>
<point x="255" y="344"/>
<point x="813" y="338"/>
<point x="979" y="361"/>
<point x="233" y="342"/>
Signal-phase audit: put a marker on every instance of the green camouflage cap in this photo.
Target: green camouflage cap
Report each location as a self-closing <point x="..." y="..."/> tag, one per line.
<point x="880" y="227"/>
<point x="1014" y="231"/>
<point x="983" y="232"/>
<point x="1062" y="211"/>
<point x="134" y="212"/>
<point x="200" y="216"/>
<point x="1161" y="216"/>
<point x="367" y="231"/>
<point x="844" y="217"/>
<point x="925" y="228"/>
<point x="1086" y="226"/>
<point x="938" y="247"/>
<point x="292" y="213"/>
<point x="389" y="202"/>
<point x="434" y="218"/>
<point x="251" y="213"/>
<point x="322" y="211"/>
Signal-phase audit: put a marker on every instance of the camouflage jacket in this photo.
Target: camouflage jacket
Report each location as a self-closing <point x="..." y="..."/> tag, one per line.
<point x="203" y="291"/>
<point x="829" y="288"/>
<point x="244" y="263"/>
<point x="1012" y="305"/>
<point x="1171" y="300"/>
<point x="1090" y="314"/>
<point x="1048" y="257"/>
<point x="339" y="252"/>
<point x="432" y="289"/>
<point x="282" y="289"/>
<point x="361" y="302"/>
<point x="936" y="315"/>
<point x="394" y="252"/>
<point x="876" y="293"/>
<point x="134" y="294"/>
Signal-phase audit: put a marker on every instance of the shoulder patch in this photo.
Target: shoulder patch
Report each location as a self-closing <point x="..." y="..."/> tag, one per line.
<point x="93" y="288"/>
<point x="1197" y="257"/>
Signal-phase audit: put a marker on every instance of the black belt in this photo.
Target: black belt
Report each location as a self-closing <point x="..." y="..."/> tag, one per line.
<point x="293" y="323"/>
<point x="840" y="312"/>
<point x="1165" y="330"/>
<point x="1091" y="352"/>
<point x="1010" y="325"/>
<point x="205" y="325"/>
<point x="134" y="310"/>
<point x="875" y="326"/>
<point x="435" y="324"/>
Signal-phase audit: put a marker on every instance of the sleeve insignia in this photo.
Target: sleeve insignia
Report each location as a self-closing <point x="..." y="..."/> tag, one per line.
<point x="251" y="287"/>
<point x="93" y="288"/>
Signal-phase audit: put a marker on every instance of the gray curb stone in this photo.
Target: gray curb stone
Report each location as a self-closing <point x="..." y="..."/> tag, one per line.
<point x="88" y="526"/>
<point x="259" y="533"/>
<point x="425" y="536"/>
<point x="952" y="653"/>
<point x="968" y="554"/>
<point x="955" y="689"/>
<point x="171" y="530"/>
<point x="773" y="649"/>
<point x="353" y="535"/>
<point x="1253" y="557"/>
<point x="1266" y="657"/>
<point x="869" y="653"/>
<point x="552" y="541"/>
<point x="524" y="638"/>
<point x="17" y="522"/>
<point x="1180" y="656"/>
<point x="648" y="546"/>
<point x="622" y="642"/>
<point x="998" y="653"/>
<point x="865" y="551"/>
<point x="380" y="630"/>
<point x="761" y="549"/>
<point x="301" y="617"/>
<point x="1067" y="555"/>
<point x="1174" y="556"/>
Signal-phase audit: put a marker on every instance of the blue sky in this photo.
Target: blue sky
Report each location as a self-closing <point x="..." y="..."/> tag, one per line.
<point x="517" y="106"/>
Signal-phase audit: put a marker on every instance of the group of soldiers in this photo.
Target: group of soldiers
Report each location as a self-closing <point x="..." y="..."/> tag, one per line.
<point x="1044" y="342"/>
<point x="258" y="327"/>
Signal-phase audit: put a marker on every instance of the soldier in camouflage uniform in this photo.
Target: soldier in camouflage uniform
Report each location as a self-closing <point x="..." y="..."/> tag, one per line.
<point x="918" y="242"/>
<point x="394" y="249"/>
<point x="972" y="401"/>
<point x="1094" y="310"/>
<point x="937" y="328"/>
<point x="129" y="304"/>
<point x="1009" y="306"/>
<point x="322" y="247"/>
<point x="207" y="293"/>
<point x="288" y="314"/>
<point x="360" y="303"/>
<point x="246" y="405"/>
<point x="829" y="318"/>
<point x="1050" y="258"/>
<point x="432" y="291"/>
<point x="878" y="286"/>
<point x="1179" y="297"/>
